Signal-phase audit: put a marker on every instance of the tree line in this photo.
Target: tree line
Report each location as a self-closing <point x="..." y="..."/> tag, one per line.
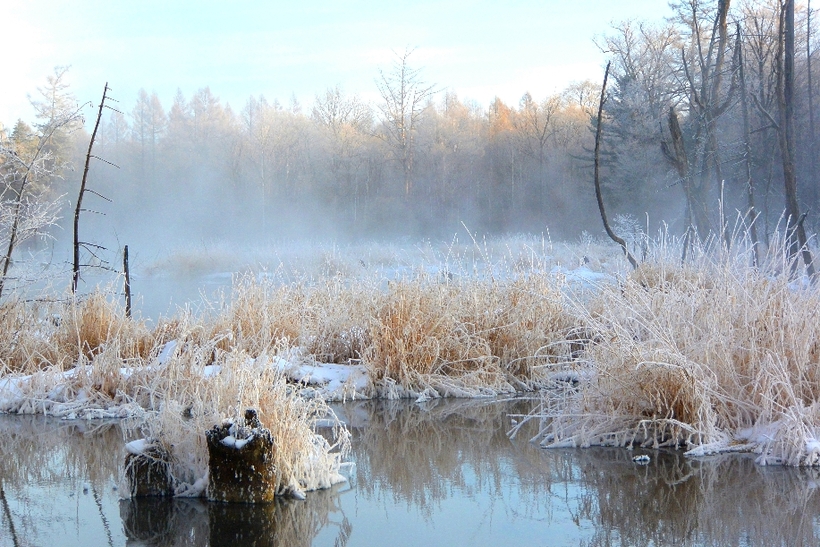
<point x="691" y="138"/>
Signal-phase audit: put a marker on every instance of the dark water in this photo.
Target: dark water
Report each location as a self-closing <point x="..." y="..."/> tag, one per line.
<point x="443" y="473"/>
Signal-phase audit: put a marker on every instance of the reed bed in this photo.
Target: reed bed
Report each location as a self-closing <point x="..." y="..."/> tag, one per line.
<point x="465" y="338"/>
<point x="712" y="356"/>
<point x="172" y="382"/>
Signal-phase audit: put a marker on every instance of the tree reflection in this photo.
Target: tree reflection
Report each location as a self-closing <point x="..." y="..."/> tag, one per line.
<point x="163" y="522"/>
<point x="421" y="456"/>
<point x="726" y="500"/>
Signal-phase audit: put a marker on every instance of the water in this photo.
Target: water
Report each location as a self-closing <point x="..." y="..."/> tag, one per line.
<point x="441" y="473"/>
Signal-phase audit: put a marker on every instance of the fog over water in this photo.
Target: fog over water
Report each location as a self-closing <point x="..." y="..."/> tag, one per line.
<point x="412" y="150"/>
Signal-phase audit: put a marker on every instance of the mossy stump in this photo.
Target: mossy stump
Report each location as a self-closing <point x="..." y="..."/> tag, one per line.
<point x="147" y="473"/>
<point x="241" y="466"/>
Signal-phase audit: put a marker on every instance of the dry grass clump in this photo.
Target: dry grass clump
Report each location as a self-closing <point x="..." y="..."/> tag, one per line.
<point x="259" y="314"/>
<point x="89" y="325"/>
<point x="722" y="357"/>
<point x="39" y="335"/>
<point x="325" y="320"/>
<point x="662" y="274"/>
<point x="335" y="320"/>
<point x="194" y="400"/>
<point x="467" y="337"/>
<point x="25" y="332"/>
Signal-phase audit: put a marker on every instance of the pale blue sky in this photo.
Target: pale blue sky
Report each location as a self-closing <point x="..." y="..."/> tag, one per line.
<point x="479" y="49"/>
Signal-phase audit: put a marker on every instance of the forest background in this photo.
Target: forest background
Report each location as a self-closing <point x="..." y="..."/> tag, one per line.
<point x="690" y="138"/>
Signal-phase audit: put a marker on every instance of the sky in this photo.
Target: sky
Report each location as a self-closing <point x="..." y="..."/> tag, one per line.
<point x="477" y="49"/>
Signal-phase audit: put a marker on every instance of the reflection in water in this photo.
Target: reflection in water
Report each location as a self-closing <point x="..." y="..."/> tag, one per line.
<point x="726" y="500"/>
<point x="438" y="473"/>
<point x="57" y="477"/>
<point x="163" y="522"/>
<point x="442" y="449"/>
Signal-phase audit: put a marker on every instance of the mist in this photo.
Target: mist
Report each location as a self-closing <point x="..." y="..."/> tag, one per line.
<point x="417" y="162"/>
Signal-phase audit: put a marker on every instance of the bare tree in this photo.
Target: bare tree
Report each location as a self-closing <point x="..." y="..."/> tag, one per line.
<point x="706" y="100"/>
<point x="405" y="96"/>
<point x="785" y="103"/>
<point x="747" y="149"/>
<point x="79" y="207"/>
<point x="535" y="126"/>
<point x="812" y="130"/>
<point x="345" y="123"/>
<point x="25" y="212"/>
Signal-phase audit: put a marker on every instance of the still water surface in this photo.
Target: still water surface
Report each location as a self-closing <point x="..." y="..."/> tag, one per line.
<point x="440" y="473"/>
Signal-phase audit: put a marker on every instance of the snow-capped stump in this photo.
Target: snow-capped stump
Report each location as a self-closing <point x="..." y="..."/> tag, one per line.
<point x="146" y="469"/>
<point x="643" y="459"/>
<point x="241" y="466"/>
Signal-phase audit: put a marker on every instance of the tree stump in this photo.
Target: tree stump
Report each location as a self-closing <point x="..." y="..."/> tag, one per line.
<point x="147" y="472"/>
<point x="241" y="466"/>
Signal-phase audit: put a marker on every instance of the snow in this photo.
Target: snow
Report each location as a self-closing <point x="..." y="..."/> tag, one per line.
<point x="11" y="392"/>
<point x="138" y="447"/>
<point x="194" y="490"/>
<point x="331" y="381"/>
<point x="209" y="371"/>
<point x="166" y="353"/>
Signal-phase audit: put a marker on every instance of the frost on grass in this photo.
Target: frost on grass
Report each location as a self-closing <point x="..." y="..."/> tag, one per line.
<point x="303" y="458"/>
<point x="712" y="357"/>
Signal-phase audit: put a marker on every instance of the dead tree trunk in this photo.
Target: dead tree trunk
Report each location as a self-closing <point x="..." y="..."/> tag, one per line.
<point x="747" y="152"/>
<point x="77" y="242"/>
<point x="815" y="198"/>
<point x="598" y="195"/>
<point x="127" y="274"/>
<point x="708" y="105"/>
<point x="785" y="98"/>
<point x="675" y="152"/>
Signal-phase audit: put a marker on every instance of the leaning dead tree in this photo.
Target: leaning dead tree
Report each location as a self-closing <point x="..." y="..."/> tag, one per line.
<point x="609" y="232"/>
<point x="90" y="247"/>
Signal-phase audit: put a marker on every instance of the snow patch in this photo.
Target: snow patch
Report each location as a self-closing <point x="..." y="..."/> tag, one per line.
<point x="139" y="446"/>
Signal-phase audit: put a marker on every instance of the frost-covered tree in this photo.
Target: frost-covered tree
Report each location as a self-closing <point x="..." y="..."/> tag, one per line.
<point x="30" y="160"/>
<point x="345" y="125"/>
<point x="404" y="97"/>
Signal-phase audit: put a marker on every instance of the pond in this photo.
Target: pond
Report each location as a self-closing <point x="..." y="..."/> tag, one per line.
<point x="443" y="472"/>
